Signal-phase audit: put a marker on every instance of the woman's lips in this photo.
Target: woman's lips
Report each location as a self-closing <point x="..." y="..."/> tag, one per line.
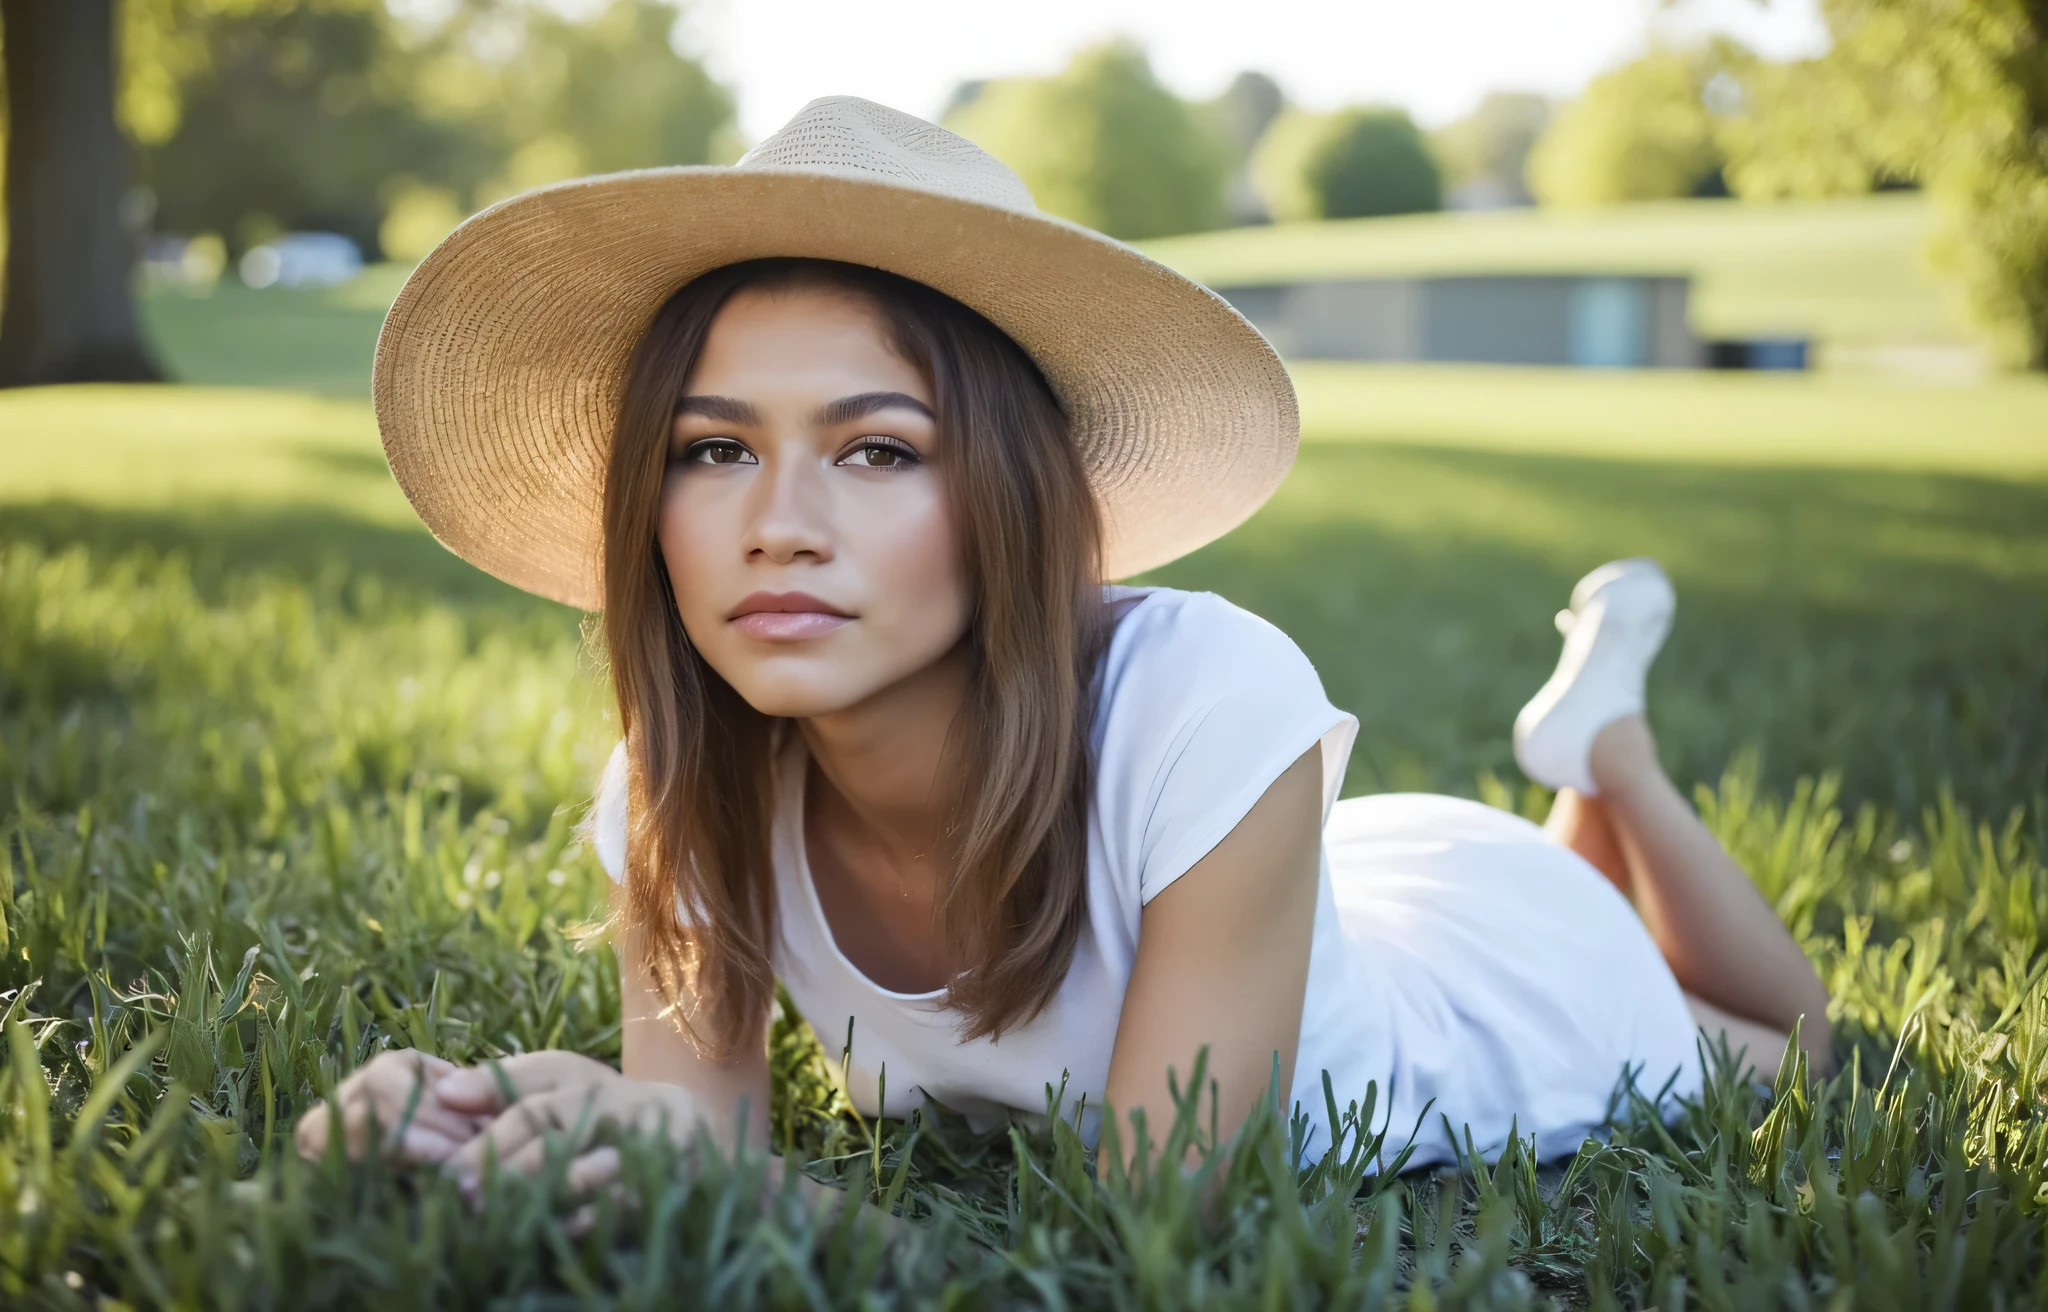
<point x="786" y="616"/>
<point x="788" y="625"/>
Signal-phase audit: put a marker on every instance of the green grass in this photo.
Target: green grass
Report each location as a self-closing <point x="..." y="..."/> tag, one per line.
<point x="1997" y="428"/>
<point x="1851" y="272"/>
<point x="316" y="339"/>
<point x="286" y="783"/>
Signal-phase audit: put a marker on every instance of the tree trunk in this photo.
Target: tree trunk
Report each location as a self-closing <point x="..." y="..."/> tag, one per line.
<point x="69" y="313"/>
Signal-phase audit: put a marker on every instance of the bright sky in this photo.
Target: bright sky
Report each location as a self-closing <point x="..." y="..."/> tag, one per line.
<point x="1436" y="57"/>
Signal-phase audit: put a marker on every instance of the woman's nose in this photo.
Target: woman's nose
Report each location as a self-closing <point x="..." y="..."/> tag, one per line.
<point x="789" y="518"/>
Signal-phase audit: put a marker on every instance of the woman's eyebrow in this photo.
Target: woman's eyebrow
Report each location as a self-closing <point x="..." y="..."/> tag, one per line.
<point x="724" y="409"/>
<point x="849" y="408"/>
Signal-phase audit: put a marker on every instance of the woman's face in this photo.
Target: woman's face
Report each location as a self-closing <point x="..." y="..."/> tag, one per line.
<point x="804" y="521"/>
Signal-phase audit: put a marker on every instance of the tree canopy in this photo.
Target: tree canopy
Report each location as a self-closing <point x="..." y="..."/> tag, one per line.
<point x="1952" y="94"/>
<point x="343" y="117"/>
<point x="1352" y="163"/>
<point x="1640" y="132"/>
<point x="1372" y="162"/>
<point x="1485" y="154"/>
<point x="1105" y="144"/>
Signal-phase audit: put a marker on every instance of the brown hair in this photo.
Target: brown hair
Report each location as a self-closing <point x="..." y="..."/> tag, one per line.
<point x="700" y="756"/>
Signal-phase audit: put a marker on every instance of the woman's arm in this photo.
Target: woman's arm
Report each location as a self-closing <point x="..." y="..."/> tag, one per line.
<point x="652" y="1048"/>
<point x="1223" y="961"/>
<point x="662" y="1079"/>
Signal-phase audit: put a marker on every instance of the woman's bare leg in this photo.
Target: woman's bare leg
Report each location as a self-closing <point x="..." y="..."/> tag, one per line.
<point x="1760" y="1048"/>
<point x="1580" y="823"/>
<point x="1724" y="943"/>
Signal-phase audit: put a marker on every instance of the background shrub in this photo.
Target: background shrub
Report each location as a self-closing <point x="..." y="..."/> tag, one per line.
<point x="1348" y="164"/>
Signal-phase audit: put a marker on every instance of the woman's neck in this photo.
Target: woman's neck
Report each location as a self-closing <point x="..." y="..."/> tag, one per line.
<point x="884" y="759"/>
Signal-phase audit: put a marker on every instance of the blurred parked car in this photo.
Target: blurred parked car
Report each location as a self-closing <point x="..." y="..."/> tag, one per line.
<point x="302" y="259"/>
<point x="190" y="264"/>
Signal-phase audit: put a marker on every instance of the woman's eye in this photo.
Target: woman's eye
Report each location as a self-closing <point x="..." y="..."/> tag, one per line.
<point x="718" y="451"/>
<point x="877" y="453"/>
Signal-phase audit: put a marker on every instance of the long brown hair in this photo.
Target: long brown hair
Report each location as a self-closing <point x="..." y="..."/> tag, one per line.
<point x="699" y="756"/>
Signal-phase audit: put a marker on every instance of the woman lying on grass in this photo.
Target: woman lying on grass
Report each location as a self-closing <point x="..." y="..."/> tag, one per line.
<point x="890" y="738"/>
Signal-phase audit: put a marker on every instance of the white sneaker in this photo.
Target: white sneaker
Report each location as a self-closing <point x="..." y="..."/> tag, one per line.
<point x="1618" y="618"/>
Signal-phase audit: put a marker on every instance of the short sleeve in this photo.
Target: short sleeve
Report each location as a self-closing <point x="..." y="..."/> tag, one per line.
<point x="1203" y="706"/>
<point x="606" y="825"/>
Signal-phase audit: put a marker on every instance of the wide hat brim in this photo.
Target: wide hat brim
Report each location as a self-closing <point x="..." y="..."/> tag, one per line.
<point x="501" y="364"/>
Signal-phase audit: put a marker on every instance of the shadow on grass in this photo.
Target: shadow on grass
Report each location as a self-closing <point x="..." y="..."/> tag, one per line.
<point x="1890" y="626"/>
<point x="306" y="543"/>
<point x="317" y="340"/>
<point x="1887" y="625"/>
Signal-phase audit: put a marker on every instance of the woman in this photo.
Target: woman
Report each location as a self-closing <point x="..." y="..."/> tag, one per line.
<point x="888" y="737"/>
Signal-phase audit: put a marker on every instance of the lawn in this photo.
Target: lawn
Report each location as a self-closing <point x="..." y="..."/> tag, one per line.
<point x="1852" y="272"/>
<point x="287" y="783"/>
<point x="315" y="339"/>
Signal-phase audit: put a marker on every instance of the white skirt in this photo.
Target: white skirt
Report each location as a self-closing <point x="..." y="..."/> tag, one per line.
<point x="1493" y="975"/>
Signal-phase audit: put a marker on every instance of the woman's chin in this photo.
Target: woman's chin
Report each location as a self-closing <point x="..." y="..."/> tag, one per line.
<point x="807" y="681"/>
<point x="799" y="698"/>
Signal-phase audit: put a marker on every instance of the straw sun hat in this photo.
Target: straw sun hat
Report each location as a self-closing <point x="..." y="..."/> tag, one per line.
<point x="500" y="366"/>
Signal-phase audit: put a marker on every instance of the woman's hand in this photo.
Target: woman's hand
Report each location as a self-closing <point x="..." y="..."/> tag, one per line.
<point x="539" y="1094"/>
<point x="384" y="1086"/>
<point x="563" y="1094"/>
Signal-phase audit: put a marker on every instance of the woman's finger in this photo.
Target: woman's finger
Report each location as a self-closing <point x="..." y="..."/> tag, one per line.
<point x="412" y="1060"/>
<point x="387" y="1078"/>
<point x="490" y="1087"/>
<point x="390" y="1116"/>
<point x="420" y="1147"/>
<point x="527" y="1158"/>
<point x="595" y="1173"/>
<point x="389" y="1088"/>
<point x="526" y="1122"/>
<point x="577" y="1224"/>
<point x="309" y="1136"/>
<point x="594" y="1170"/>
<point x="392" y="1120"/>
<point x="401" y="1065"/>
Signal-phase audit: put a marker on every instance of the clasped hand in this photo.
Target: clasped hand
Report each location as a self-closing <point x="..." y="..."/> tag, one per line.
<point x="463" y="1112"/>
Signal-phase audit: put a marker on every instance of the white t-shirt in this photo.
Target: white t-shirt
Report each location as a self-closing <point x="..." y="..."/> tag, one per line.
<point x="1201" y="707"/>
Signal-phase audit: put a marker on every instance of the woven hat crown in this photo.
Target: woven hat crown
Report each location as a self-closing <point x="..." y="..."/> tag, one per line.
<point x="859" y="138"/>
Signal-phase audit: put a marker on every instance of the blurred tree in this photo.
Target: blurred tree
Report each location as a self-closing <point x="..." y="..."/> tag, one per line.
<point x="1243" y="112"/>
<point x="1103" y="143"/>
<point x="1279" y="165"/>
<point x="1951" y="93"/>
<point x="1373" y="162"/>
<point x="1352" y="163"/>
<point x="605" y="94"/>
<point x="69" y="312"/>
<point x="1246" y="109"/>
<point x="1641" y="132"/>
<point x="262" y="115"/>
<point x="278" y="115"/>
<point x="1485" y="155"/>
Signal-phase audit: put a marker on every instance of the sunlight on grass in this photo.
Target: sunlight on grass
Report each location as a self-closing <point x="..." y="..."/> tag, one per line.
<point x="194" y="449"/>
<point x="1851" y="271"/>
<point x="1997" y="428"/>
